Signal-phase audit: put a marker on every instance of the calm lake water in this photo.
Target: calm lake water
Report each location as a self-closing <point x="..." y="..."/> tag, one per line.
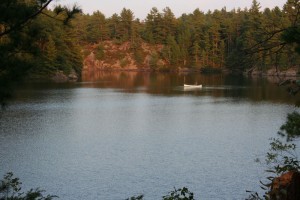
<point x="115" y="135"/>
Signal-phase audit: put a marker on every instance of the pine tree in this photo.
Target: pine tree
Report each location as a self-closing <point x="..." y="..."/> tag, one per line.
<point x="126" y="28"/>
<point x="153" y="27"/>
<point x="97" y="29"/>
<point x="113" y="24"/>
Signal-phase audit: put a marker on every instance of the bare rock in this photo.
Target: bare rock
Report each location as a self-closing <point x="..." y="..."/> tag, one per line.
<point x="256" y="72"/>
<point x="59" y="77"/>
<point x="286" y="187"/>
<point x="272" y="72"/>
<point x="291" y="72"/>
<point x="73" y="76"/>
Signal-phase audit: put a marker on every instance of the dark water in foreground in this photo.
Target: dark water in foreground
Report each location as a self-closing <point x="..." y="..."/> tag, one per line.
<point x="116" y="135"/>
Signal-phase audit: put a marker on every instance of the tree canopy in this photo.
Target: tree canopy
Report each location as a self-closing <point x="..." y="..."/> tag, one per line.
<point x="236" y="39"/>
<point x="35" y="40"/>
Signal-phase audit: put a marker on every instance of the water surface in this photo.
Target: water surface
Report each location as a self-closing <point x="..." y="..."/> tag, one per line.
<point x="115" y="135"/>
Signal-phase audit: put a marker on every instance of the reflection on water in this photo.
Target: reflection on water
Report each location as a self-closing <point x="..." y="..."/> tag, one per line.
<point x="118" y="134"/>
<point x="255" y="89"/>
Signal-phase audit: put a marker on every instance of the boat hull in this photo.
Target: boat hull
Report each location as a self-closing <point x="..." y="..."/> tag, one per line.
<point x="192" y="86"/>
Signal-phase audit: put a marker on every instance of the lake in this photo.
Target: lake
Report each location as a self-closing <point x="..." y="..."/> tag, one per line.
<point x="118" y="134"/>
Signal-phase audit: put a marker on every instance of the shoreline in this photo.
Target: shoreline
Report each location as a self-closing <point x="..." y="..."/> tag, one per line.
<point x="271" y="74"/>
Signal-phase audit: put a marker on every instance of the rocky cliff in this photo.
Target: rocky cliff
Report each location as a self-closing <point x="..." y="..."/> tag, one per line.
<point x="109" y="55"/>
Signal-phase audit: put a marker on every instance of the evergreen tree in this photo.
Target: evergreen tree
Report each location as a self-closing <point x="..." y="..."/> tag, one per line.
<point x="126" y="29"/>
<point x="97" y="29"/>
<point x="113" y="24"/>
<point x="153" y="29"/>
<point x="168" y="23"/>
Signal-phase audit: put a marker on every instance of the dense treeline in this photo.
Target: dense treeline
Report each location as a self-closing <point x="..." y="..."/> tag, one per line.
<point x="236" y="39"/>
<point x="57" y="45"/>
<point x="36" y="40"/>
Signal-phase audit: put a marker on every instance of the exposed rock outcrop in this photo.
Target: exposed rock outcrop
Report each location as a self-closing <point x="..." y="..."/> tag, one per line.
<point x="291" y="72"/>
<point x="273" y="72"/>
<point x="120" y="57"/>
<point x="286" y="187"/>
<point x="60" y="77"/>
<point x="73" y="76"/>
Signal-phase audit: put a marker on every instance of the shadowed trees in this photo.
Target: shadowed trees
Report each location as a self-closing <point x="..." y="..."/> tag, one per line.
<point x="28" y="40"/>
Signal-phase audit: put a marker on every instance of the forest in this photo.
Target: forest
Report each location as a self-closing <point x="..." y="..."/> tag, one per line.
<point x="236" y="39"/>
<point x="57" y="40"/>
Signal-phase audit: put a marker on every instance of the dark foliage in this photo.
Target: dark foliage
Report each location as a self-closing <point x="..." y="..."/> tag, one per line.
<point x="10" y="189"/>
<point x="291" y="129"/>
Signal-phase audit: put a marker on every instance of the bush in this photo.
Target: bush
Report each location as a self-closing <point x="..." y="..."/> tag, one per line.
<point x="176" y="194"/>
<point x="179" y="194"/>
<point x="10" y="189"/>
<point x="99" y="53"/>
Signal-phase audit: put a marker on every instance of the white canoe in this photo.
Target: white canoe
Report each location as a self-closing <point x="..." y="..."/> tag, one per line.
<point x="192" y="86"/>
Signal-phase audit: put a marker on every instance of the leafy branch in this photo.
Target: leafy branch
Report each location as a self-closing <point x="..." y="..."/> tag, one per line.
<point x="10" y="189"/>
